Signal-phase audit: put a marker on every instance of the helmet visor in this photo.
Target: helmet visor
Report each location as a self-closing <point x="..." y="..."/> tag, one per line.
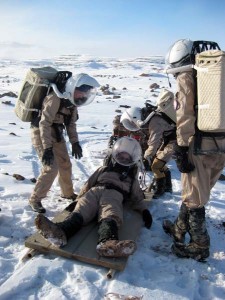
<point x="128" y="122"/>
<point x="84" y="96"/>
<point x="126" y="151"/>
<point x="124" y="158"/>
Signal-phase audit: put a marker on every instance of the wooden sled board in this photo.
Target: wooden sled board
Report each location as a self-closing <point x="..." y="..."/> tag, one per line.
<point x="82" y="246"/>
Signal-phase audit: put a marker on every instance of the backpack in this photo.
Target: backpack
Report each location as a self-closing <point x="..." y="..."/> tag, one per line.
<point x="36" y="86"/>
<point x="210" y="67"/>
<point x="165" y="105"/>
<point x="208" y="64"/>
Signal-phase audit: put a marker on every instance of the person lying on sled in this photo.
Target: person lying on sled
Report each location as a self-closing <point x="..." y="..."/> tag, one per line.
<point x="103" y="196"/>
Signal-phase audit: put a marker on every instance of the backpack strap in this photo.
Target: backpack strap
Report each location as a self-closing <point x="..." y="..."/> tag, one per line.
<point x="166" y="118"/>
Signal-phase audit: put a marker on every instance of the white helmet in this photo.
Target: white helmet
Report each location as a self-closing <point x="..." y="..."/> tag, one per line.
<point x="126" y="151"/>
<point x="179" y="54"/>
<point x="131" y="118"/>
<point x="84" y="83"/>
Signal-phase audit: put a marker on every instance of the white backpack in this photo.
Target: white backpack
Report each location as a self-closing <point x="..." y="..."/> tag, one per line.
<point x="210" y="66"/>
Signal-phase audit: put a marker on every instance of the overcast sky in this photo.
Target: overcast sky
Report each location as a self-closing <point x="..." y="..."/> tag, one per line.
<point x="109" y="28"/>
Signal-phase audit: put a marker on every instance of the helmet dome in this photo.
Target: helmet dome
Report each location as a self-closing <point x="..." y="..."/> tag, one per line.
<point x="131" y="118"/>
<point x="179" y="54"/>
<point x="85" y="84"/>
<point x="126" y="151"/>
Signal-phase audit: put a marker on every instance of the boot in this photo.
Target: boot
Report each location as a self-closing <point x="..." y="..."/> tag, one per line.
<point x="160" y="185"/>
<point x="168" y="187"/>
<point x="108" y="242"/>
<point x="198" y="247"/>
<point x="73" y="197"/>
<point x="152" y="185"/>
<point x="58" y="233"/>
<point x="37" y="207"/>
<point x="178" y="229"/>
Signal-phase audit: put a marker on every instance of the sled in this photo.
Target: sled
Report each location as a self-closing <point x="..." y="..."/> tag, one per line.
<point x="82" y="246"/>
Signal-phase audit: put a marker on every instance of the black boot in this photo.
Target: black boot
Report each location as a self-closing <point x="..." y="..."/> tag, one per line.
<point x="178" y="229"/>
<point x="108" y="242"/>
<point x="168" y="187"/>
<point x="152" y="185"/>
<point x="160" y="185"/>
<point x="59" y="233"/>
<point x="198" y="248"/>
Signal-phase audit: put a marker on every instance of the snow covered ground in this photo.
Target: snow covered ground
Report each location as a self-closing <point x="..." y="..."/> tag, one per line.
<point x="152" y="272"/>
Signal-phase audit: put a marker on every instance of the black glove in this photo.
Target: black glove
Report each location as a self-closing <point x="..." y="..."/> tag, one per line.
<point x="147" y="218"/>
<point x="181" y="157"/>
<point x="77" y="150"/>
<point x="48" y="157"/>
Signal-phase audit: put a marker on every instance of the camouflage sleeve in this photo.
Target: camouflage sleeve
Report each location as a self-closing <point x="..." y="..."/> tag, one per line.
<point x="185" y="108"/>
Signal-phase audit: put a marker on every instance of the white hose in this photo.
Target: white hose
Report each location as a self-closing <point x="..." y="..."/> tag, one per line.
<point x="58" y="93"/>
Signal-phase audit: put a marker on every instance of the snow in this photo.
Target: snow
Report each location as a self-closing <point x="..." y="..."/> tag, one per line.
<point x="152" y="271"/>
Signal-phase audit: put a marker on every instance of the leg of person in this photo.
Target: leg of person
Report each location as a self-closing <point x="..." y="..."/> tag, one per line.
<point x="198" y="248"/>
<point x="85" y="211"/>
<point x="59" y="233"/>
<point x="195" y="193"/>
<point x="168" y="187"/>
<point x="110" y="219"/>
<point x="165" y="154"/>
<point x="179" y="228"/>
<point x="159" y="177"/>
<point x="44" y="181"/>
<point x="65" y="170"/>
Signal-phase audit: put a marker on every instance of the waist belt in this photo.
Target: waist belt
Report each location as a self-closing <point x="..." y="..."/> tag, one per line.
<point x="110" y="186"/>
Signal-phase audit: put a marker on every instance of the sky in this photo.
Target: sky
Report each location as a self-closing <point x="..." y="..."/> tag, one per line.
<point x="118" y="28"/>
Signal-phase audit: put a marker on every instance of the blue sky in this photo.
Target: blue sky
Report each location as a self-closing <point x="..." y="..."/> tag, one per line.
<point x="109" y="28"/>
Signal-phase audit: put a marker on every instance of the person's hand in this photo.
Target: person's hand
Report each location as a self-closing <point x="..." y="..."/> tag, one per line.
<point x="181" y="158"/>
<point x="147" y="218"/>
<point x="47" y="157"/>
<point x="77" y="150"/>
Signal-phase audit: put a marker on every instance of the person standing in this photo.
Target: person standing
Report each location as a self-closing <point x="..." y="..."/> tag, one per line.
<point x="160" y="131"/>
<point x="47" y="137"/>
<point x="199" y="170"/>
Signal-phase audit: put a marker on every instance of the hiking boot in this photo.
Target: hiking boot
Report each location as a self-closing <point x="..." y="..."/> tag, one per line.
<point x="179" y="228"/>
<point x="50" y="231"/>
<point x="160" y="184"/>
<point x="152" y="185"/>
<point x="191" y="250"/>
<point x="199" y="237"/>
<point x="37" y="207"/>
<point x="72" y="197"/>
<point x="173" y="230"/>
<point x="168" y="187"/>
<point x="115" y="248"/>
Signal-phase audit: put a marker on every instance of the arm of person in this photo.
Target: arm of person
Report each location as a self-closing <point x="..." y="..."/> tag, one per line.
<point x="92" y="180"/>
<point x="185" y="113"/>
<point x="50" y="108"/>
<point x="71" y="128"/>
<point x="156" y="128"/>
<point x="138" y="203"/>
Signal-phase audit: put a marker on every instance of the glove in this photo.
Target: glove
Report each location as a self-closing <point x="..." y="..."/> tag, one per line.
<point x="48" y="157"/>
<point x="147" y="218"/>
<point x="181" y="157"/>
<point x="77" y="150"/>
